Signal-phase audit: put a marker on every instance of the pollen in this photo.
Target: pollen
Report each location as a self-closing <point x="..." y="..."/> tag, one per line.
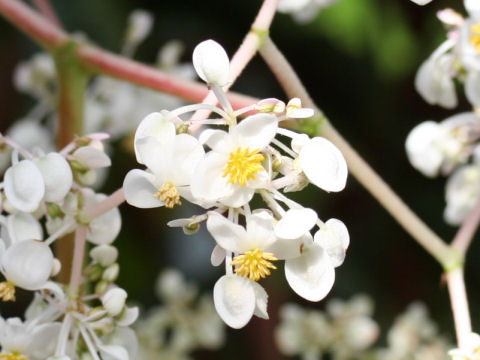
<point x="475" y="36"/>
<point x="254" y="264"/>
<point x="7" y="292"/>
<point x="168" y="193"/>
<point x="13" y="357"/>
<point x="242" y="166"/>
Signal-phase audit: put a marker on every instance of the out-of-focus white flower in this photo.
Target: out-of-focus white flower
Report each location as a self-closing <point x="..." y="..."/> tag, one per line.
<point x="303" y="10"/>
<point x="140" y="24"/>
<point x="471" y="350"/>
<point x="421" y="2"/>
<point x="211" y="63"/>
<point x="232" y="171"/>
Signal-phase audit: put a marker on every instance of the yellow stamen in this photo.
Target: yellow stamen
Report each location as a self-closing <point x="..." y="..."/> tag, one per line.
<point x="242" y="165"/>
<point x="168" y="193"/>
<point x="254" y="264"/>
<point x="13" y="357"/>
<point x="7" y="292"/>
<point x="475" y="36"/>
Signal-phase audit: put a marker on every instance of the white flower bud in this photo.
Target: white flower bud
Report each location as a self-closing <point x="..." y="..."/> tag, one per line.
<point x="105" y="255"/>
<point x="111" y="273"/>
<point x="140" y="25"/>
<point x="114" y="300"/>
<point x="211" y="63"/>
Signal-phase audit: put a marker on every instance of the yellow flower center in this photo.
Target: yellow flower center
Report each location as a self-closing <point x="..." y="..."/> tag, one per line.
<point x="242" y="165"/>
<point x="475" y="36"/>
<point x="7" y="292"/>
<point x="168" y="193"/>
<point x="13" y="357"/>
<point x="254" y="264"/>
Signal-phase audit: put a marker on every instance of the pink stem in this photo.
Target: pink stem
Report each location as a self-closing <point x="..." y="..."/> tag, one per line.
<point x="47" y="10"/>
<point x="114" y="200"/>
<point x="77" y="263"/>
<point x="459" y="303"/>
<point x="465" y="234"/>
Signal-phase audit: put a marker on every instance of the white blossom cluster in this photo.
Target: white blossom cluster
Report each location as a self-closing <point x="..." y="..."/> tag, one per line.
<point x="50" y="191"/>
<point x="451" y="147"/>
<point x="222" y="171"/>
<point x="182" y="323"/>
<point x="111" y="105"/>
<point x="346" y="331"/>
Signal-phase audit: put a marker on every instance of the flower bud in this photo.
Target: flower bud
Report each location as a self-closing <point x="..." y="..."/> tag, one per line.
<point x="111" y="273"/>
<point x="94" y="272"/>
<point x="114" y="300"/>
<point x="211" y="63"/>
<point x="101" y="287"/>
<point x="105" y="255"/>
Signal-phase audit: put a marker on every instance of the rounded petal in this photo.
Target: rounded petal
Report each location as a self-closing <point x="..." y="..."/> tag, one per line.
<point x="187" y="153"/>
<point x="256" y="131"/>
<point x="211" y="63"/>
<point x="234" y="298"/>
<point x="24" y="186"/>
<point x="113" y="352"/>
<point x="218" y="255"/>
<point x="28" y="264"/>
<point x="261" y="301"/>
<point x="57" y="176"/>
<point x="24" y="226"/>
<point x="105" y="255"/>
<point x="333" y="237"/>
<point x="92" y="157"/>
<point x="139" y="189"/>
<point x="323" y="164"/>
<point x="104" y="229"/>
<point x="260" y="229"/>
<point x="290" y="248"/>
<point x="311" y="275"/>
<point x="217" y="140"/>
<point x="421" y="150"/>
<point x="240" y="196"/>
<point x="295" y="223"/>
<point x="421" y="2"/>
<point x="227" y="234"/>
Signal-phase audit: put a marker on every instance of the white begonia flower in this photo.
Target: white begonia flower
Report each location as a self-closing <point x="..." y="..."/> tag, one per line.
<point x="169" y="175"/>
<point x="232" y="171"/>
<point x="323" y="164"/>
<point x="434" y="80"/>
<point x="21" y="226"/>
<point x="470" y="351"/>
<point x="25" y="340"/>
<point x="105" y="255"/>
<point x="57" y="176"/>
<point x="211" y="63"/>
<point x="114" y="301"/>
<point x="333" y="237"/>
<point x="26" y="264"/>
<point x="461" y="193"/>
<point x="24" y="186"/>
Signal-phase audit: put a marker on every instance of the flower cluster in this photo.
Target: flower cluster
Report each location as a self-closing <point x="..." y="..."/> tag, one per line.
<point x="181" y="324"/>
<point x="222" y="171"/>
<point x="451" y="146"/>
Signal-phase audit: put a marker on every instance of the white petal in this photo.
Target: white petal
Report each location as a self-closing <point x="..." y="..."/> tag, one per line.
<point x="421" y="150"/>
<point x="105" y="255"/>
<point x="218" y="255"/>
<point x="261" y="301"/>
<point x="187" y="153"/>
<point x="139" y="189"/>
<point x="92" y="157"/>
<point x="128" y="317"/>
<point x="333" y="237"/>
<point x="104" y="229"/>
<point x="217" y="140"/>
<point x="311" y="275"/>
<point x="472" y="87"/>
<point x="24" y="226"/>
<point x="295" y="223"/>
<point x="290" y="248"/>
<point x="256" y="131"/>
<point x="421" y="2"/>
<point x="57" y="176"/>
<point x="323" y="164"/>
<point x="240" y="196"/>
<point x="260" y="230"/>
<point x="24" y="186"/>
<point x="211" y="63"/>
<point x="228" y="235"/>
<point x="234" y="298"/>
<point x="207" y="182"/>
<point x="473" y="7"/>
<point x="28" y="264"/>
<point x="113" y="352"/>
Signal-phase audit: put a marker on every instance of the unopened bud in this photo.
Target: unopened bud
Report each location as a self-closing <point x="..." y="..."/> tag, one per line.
<point x="54" y="210"/>
<point x="270" y="105"/>
<point x="101" y="287"/>
<point x="114" y="300"/>
<point x="94" y="272"/>
<point x="105" y="255"/>
<point x="111" y="273"/>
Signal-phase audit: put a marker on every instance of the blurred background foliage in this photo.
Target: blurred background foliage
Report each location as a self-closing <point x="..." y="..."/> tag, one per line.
<point x="358" y="60"/>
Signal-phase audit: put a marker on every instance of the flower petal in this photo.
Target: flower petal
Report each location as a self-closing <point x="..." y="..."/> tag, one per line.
<point x="139" y="189"/>
<point x="218" y="255"/>
<point x="311" y="275"/>
<point x="92" y="157"/>
<point x="57" y="176"/>
<point x="229" y="236"/>
<point x="323" y="164"/>
<point x="211" y="63"/>
<point x="261" y="301"/>
<point x="295" y="223"/>
<point x="333" y="237"/>
<point x="255" y="132"/>
<point x="234" y="298"/>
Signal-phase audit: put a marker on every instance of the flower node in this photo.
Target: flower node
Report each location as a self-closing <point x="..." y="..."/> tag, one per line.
<point x="7" y="293"/>
<point x="168" y="193"/>
<point x="242" y="165"/>
<point x="254" y="264"/>
<point x="475" y="36"/>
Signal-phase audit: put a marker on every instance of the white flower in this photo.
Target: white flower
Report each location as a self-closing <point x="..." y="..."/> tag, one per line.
<point x="211" y="63"/>
<point x="140" y="24"/>
<point x="169" y="175"/>
<point x="232" y="171"/>
<point x="470" y="351"/>
<point x="303" y="10"/>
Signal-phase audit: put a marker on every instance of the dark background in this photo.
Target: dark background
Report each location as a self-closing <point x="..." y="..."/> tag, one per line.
<point x="358" y="60"/>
